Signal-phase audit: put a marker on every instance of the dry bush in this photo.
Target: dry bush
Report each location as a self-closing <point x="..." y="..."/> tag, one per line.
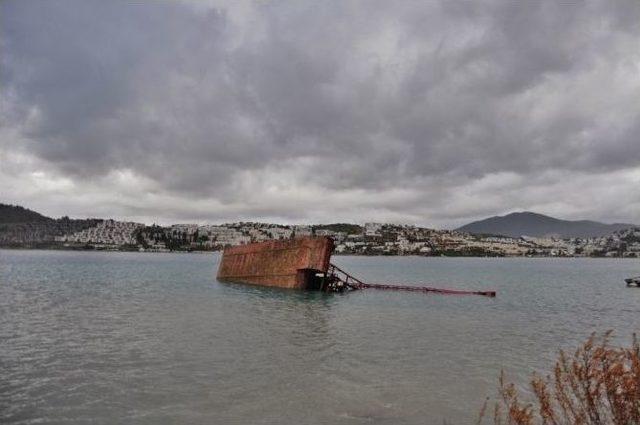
<point x="599" y="384"/>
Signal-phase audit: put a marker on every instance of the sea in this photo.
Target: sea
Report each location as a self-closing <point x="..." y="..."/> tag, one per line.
<point x="152" y="338"/>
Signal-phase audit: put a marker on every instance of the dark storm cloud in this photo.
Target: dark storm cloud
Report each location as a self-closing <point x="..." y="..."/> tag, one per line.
<point x="258" y="110"/>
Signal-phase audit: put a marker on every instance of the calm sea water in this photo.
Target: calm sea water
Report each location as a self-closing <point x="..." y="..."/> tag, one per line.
<point x="105" y="338"/>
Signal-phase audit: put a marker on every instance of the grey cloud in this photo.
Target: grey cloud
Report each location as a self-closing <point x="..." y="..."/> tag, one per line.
<point x="223" y="103"/>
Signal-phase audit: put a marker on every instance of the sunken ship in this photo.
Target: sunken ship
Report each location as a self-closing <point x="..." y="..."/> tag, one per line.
<point x="301" y="263"/>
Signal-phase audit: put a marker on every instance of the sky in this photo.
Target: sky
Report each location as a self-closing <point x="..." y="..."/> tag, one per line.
<point x="430" y="112"/>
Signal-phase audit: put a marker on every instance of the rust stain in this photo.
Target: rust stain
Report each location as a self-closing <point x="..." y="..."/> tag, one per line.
<point x="290" y="263"/>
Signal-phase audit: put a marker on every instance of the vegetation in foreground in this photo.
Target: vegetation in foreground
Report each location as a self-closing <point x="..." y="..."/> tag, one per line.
<point x="598" y="384"/>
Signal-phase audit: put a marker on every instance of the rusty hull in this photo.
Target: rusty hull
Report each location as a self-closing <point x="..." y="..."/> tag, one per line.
<point x="290" y="263"/>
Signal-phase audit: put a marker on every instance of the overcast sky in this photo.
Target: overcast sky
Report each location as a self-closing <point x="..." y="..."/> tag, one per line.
<point x="426" y="112"/>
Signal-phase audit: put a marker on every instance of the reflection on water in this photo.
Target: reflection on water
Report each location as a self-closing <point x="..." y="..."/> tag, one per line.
<point x="153" y="338"/>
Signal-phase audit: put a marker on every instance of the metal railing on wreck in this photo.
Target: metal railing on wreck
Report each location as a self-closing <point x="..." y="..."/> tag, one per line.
<point x="350" y="282"/>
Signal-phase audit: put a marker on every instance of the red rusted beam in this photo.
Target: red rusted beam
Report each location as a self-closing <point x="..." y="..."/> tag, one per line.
<point x="343" y="276"/>
<point x="423" y="289"/>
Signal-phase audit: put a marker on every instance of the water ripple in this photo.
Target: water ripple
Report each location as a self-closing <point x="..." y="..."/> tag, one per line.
<point x="154" y="339"/>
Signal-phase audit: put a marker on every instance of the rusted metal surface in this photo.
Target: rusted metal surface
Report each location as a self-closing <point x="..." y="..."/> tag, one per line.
<point x="290" y="263"/>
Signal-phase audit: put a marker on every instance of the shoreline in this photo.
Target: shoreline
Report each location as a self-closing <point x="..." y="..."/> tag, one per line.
<point x="335" y="254"/>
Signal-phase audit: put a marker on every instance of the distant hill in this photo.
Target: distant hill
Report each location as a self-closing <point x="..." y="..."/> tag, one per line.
<point x="18" y="214"/>
<point x="538" y="225"/>
<point x="340" y="227"/>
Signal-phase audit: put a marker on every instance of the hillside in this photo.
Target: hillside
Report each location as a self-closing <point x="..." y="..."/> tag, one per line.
<point x="538" y="225"/>
<point x="347" y="228"/>
<point x="17" y="214"/>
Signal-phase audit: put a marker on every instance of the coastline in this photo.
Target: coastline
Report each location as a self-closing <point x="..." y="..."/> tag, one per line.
<point x="335" y="254"/>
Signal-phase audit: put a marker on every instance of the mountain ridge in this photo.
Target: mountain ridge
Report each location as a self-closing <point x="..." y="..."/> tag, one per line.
<point x="10" y="214"/>
<point x="528" y="223"/>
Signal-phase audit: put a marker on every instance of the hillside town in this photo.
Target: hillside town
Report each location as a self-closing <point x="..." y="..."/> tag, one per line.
<point x="350" y="239"/>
